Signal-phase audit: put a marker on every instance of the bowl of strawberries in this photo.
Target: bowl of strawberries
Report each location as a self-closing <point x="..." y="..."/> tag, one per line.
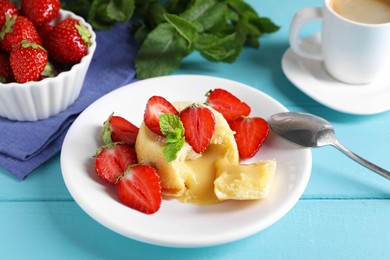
<point x="45" y="53"/>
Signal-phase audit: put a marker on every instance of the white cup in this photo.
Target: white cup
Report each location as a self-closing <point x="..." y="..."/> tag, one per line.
<point x="352" y="52"/>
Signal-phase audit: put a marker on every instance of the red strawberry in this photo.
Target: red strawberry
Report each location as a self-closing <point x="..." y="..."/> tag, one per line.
<point x="227" y="104"/>
<point x="40" y="12"/>
<point x="7" y="7"/>
<point x="113" y="159"/>
<point x="44" y="32"/>
<point x="5" y="69"/>
<point x="199" y="125"/>
<point x="17" y="29"/>
<point x="68" y="42"/>
<point x="250" y="134"/>
<point x="28" y="61"/>
<point x="140" y="189"/>
<point x="118" y="129"/>
<point x="156" y="106"/>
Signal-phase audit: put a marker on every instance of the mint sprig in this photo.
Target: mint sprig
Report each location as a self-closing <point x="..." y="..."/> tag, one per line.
<point x="172" y="127"/>
<point x="170" y="30"/>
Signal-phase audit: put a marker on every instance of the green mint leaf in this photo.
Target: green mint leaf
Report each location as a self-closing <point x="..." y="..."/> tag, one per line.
<point x="80" y="7"/>
<point x="161" y="52"/>
<point x="151" y="12"/>
<point x="97" y="15"/>
<point x="170" y="150"/>
<point x="177" y="6"/>
<point x="170" y="122"/>
<point x="119" y="10"/>
<point x="186" y="28"/>
<point x="266" y="25"/>
<point x="209" y="13"/>
<point x="217" y="49"/>
<point x="240" y="7"/>
<point x="173" y="129"/>
<point x="140" y="32"/>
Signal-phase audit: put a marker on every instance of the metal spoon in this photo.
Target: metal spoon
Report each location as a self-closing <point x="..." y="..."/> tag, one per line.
<point x="313" y="131"/>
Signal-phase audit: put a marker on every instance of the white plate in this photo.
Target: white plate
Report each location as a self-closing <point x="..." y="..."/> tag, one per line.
<point x="311" y="77"/>
<point x="178" y="224"/>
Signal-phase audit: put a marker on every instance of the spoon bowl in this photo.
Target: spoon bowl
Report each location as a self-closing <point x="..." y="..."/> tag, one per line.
<point x="312" y="131"/>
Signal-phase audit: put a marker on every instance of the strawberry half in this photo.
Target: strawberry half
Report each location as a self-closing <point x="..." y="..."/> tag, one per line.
<point x="28" y="61"/>
<point x="227" y="104"/>
<point x="250" y="134"/>
<point x="113" y="159"/>
<point x="155" y="107"/>
<point x="118" y="129"/>
<point x="40" y="12"/>
<point x="199" y="125"/>
<point x="140" y="189"/>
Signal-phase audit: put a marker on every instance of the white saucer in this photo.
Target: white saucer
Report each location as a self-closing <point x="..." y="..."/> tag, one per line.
<point x="311" y="78"/>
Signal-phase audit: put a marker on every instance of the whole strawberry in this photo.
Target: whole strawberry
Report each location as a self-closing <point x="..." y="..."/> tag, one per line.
<point x="7" y="7"/>
<point x="17" y="29"/>
<point x="5" y="69"/>
<point x="68" y="42"/>
<point x="28" y="61"/>
<point x="44" y="32"/>
<point x="40" y="12"/>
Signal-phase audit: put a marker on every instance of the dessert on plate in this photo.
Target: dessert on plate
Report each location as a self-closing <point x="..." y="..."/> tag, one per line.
<point x="190" y="151"/>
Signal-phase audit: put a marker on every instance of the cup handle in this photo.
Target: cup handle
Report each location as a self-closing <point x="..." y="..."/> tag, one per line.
<point x="301" y="18"/>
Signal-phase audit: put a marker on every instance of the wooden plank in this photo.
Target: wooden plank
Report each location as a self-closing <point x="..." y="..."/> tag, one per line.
<point x="314" y="229"/>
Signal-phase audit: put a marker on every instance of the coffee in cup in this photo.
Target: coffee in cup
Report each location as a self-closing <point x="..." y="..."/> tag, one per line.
<point x="355" y="38"/>
<point x="363" y="11"/>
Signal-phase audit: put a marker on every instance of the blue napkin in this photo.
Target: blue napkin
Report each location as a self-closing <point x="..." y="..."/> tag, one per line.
<point x="26" y="145"/>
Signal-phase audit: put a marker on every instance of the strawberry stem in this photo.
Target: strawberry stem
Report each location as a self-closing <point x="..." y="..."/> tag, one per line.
<point x="9" y="22"/>
<point x="85" y="35"/>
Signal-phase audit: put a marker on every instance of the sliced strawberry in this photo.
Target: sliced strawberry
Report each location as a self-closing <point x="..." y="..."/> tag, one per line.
<point x="113" y="159"/>
<point x="199" y="125"/>
<point x="155" y="107"/>
<point x="140" y="189"/>
<point x="227" y="104"/>
<point x="250" y="134"/>
<point x="118" y="129"/>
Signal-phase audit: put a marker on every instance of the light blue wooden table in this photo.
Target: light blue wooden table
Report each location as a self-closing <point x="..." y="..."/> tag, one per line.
<point x="343" y="214"/>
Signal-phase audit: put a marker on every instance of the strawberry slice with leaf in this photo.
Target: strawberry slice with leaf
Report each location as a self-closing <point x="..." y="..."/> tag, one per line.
<point x="139" y="188"/>
<point x="113" y="159"/>
<point x="250" y="134"/>
<point x="199" y="125"/>
<point x="119" y="129"/>
<point x="155" y="107"/>
<point x="230" y="106"/>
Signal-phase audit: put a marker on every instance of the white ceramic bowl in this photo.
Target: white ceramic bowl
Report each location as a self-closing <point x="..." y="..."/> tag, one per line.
<point x="37" y="100"/>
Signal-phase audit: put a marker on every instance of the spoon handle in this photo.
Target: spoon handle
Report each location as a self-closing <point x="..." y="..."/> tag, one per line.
<point x="362" y="161"/>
